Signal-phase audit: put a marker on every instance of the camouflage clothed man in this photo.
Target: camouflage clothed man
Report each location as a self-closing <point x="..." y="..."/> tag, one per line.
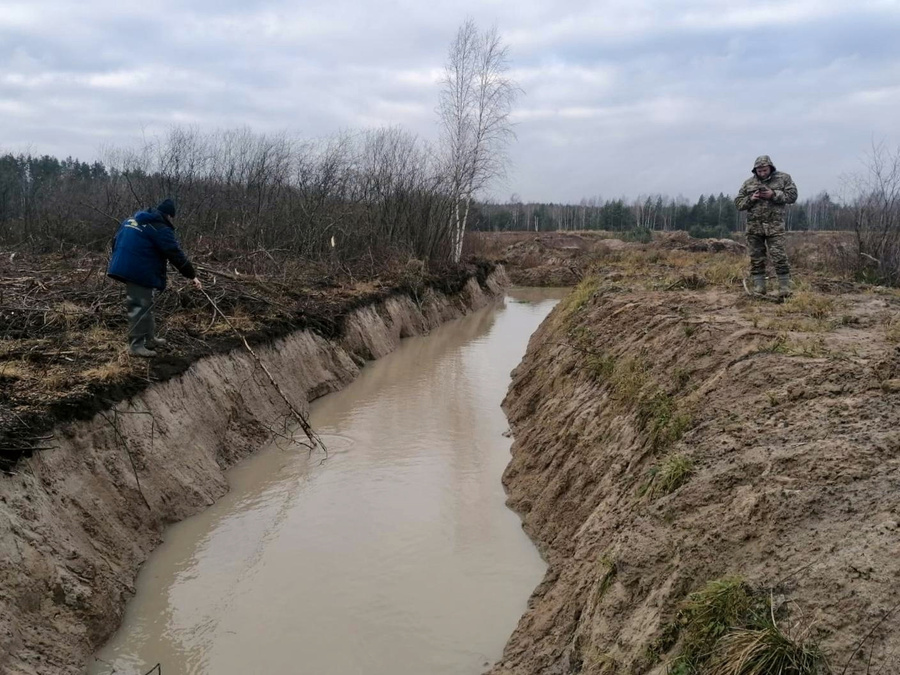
<point x="765" y="196"/>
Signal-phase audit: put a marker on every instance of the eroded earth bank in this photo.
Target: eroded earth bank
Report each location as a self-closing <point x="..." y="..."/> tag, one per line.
<point x="710" y="478"/>
<point x="77" y="520"/>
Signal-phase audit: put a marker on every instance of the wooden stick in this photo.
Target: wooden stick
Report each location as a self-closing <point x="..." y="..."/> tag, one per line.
<point x="301" y="419"/>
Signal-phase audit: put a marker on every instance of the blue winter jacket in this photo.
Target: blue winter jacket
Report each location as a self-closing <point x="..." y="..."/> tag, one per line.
<point x="143" y="245"/>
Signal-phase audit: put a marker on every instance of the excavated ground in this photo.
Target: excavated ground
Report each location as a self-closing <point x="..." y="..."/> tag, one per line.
<point x="671" y="431"/>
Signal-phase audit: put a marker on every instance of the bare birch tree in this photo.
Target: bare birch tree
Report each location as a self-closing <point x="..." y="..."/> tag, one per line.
<point x="476" y="101"/>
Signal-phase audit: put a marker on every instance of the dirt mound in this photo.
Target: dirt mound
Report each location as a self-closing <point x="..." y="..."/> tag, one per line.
<point x="564" y="258"/>
<point x="682" y="241"/>
<point x="555" y="258"/>
<point x="664" y="441"/>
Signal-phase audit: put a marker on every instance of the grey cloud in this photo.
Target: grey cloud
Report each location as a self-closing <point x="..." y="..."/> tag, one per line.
<point x="619" y="93"/>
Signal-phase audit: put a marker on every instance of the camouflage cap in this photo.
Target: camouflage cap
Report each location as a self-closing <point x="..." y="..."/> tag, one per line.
<point x="762" y="160"/>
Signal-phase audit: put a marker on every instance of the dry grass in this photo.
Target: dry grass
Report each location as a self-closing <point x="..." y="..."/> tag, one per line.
<point x="808" y="303"/>
<point x="628" y="378"/>
<point x="805" y="312"/>
<point x="812" y="348"/>
<point x="16" y="370"/>
<point x="66" y="314"/>
<point x="57" y="378"/>
<point x="238" y="319"/>
<point x="660" y="416"/>
<point x="600" y="366"/>
<point x="892" y="330"/>
<point x="728" y="628"/>
<point x="608" y="566"/>
<point x="725" y="269"/>
<point x="102" y="336"/>
<point x="764" y="651"/>
<point x="114" y="371"/>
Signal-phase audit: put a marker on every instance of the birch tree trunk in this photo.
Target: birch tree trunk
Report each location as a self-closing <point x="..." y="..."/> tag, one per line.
<point x="475" y="104"/>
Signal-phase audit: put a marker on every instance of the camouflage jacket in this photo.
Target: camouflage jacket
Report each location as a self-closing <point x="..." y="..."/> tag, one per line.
<point x="766" y="216"/>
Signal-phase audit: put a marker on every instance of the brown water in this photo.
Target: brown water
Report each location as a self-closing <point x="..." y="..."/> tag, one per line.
<point x="397" y="555"/>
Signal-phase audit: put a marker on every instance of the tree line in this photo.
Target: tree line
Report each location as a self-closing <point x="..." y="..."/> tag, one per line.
<point x="354" y="192"/>
<point x="711" y="215"/>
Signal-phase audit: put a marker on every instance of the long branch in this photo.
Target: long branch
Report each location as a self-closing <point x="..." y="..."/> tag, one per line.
<point x="299" y="416"/>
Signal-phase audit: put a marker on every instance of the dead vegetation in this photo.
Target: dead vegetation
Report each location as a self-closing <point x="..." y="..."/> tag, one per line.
<point x="63" y="324"/>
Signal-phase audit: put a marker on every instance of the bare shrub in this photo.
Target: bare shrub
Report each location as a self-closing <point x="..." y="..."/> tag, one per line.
<point x="242" y="193"/>
<point x="874" y="255"/>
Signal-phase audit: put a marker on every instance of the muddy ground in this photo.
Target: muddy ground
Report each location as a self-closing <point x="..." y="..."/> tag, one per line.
<point x="674" y="437"/>
<point x="63" y="325"/>
<point x="564" y="258"/>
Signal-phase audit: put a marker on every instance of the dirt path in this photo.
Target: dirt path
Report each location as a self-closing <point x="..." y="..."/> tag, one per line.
<point x="666" y="439"/>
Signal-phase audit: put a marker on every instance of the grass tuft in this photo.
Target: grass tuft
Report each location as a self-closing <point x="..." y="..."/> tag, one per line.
<point x="628" y="379"/>
<point x="668" y="476"/>
<point x="707" y="615"/>
<point x="65" y="313"/>
<point x="600" y="366"/>
<point x="16" y="370"/>
<point x="114" y="371"/>
<point x="764" y="651"/>
<point x="660" y="416"/>
<point x="783" y="344"/>
<point x="578" y="298"/>
<point x="608" y="565"/>
<point x="728" y="628"/>
<point x="726" y="270"/>
<point x="810" y="304"/>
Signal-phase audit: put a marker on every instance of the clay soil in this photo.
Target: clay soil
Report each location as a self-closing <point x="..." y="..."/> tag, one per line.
<point x="671" y="431"/>
<point x="63" y="325"/>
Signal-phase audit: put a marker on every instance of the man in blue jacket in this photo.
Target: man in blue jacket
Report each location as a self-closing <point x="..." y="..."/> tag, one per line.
<point x="142" y="247"/>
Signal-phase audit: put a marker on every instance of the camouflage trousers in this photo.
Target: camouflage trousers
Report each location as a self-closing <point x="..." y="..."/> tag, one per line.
<point x="759" y="244"/>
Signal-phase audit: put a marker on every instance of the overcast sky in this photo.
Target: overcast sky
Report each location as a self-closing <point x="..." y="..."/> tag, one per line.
<point x="622" y="97"/>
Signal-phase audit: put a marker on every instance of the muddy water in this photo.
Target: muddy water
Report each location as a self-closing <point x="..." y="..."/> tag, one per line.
<point x="397" y="555"/>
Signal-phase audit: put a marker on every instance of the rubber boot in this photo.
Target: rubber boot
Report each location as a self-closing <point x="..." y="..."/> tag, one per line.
<point x="784" y="286"/>
<point x="759" y="283"/>
<point x="156" y="343"/>
<point x="142" y="351"/>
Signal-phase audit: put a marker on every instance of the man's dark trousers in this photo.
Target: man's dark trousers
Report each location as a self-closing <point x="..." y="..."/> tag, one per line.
<point x="141" y="328"/>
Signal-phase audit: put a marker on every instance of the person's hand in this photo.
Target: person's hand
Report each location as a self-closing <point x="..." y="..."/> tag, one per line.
<point x="755" y="197"/>
<point x="197" y="284"/>
<point x="766" y="194"/>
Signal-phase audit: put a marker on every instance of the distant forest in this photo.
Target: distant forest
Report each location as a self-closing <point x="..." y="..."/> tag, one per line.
<point x="710" y="216"/>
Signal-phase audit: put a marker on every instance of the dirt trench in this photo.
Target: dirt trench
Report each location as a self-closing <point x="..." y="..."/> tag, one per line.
<point x="75" y="524"/>
<point x="783" y="419"/>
